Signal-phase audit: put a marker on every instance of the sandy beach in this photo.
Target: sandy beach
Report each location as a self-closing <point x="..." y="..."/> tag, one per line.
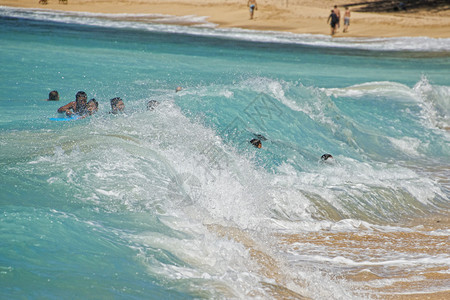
<point x="297" y="16"/>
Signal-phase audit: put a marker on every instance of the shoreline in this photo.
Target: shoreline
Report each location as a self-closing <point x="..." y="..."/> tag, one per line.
<point x="300" y="17"/>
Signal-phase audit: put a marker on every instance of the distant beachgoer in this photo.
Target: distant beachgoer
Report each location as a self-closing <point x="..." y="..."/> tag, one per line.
<point x="333" y="23"/>
<point x="53" y="96"/>
<point x="152" y="104"/>
<point x="256" y="142"/>
<point x="75" y="107"/>
<point x="338" y="14"/>
<point x="43" y="2"/>
<point x="253" y="6"/>
<point x="117" y="105"/>
<point x="179" y="88"/>
<point x="346" y="19"/>
<point x="400" y="6"/>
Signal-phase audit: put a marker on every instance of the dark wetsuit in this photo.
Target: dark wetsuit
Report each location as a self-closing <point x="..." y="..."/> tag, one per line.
<point x="334" y="20"/>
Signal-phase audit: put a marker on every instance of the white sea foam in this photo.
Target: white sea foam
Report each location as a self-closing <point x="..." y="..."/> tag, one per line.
<point x="138" y="164"/>
<point x="435" y="103"/>
<point x="392" y="90"/>
<point x="434" y="100"/>
<point x="212" y="261"/>
<point x="407" y="145"/>
<point x="199" y="26"/>
<point x="340" y="260"/>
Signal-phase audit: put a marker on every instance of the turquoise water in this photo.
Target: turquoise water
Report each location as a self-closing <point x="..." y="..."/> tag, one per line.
<point x="123" y="206"/>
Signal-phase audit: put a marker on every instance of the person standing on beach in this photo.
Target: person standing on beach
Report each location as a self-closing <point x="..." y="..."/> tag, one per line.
<point x="338" y="14"/>
<point x="253" y="6"/>
<point x="346" y="19"/>
<point x="333" y="22"/>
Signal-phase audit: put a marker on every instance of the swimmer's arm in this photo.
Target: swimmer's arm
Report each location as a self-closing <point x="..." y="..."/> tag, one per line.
<point x="66" y="108"/>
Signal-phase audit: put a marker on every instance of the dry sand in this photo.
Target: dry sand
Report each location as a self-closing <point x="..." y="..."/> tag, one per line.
<point x="298" y="16"/>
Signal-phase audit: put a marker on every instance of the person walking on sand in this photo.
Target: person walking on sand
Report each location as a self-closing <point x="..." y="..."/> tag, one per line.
<point x="346" y="19"/>
<point x="333" y="22"/>
<point x="253" y="6"/>
<point x="338" y="14"/>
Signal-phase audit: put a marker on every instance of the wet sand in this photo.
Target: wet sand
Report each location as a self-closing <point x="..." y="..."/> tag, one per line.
<point x="396" y="282"/>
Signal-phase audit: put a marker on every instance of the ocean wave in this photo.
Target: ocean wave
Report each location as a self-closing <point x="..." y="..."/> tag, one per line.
<point x="435" y="103"/>
<point x="379" y="89"/>
<point x="432" y="99"/>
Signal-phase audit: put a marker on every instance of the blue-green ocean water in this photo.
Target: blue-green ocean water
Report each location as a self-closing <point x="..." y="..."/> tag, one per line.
<point x="125" y="206"/>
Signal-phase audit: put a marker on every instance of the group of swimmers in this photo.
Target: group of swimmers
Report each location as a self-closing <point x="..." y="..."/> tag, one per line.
<point x="83" y="108"/>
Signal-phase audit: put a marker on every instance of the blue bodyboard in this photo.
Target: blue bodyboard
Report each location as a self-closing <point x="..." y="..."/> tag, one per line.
<point x="71" y="118"/>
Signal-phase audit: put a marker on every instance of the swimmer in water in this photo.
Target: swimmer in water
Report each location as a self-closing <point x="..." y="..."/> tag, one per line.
<point x="91" y="108"/>
<point x="53" y="96"/>
<point x="75" y="107"/>
<point x="152" y="104"/>
<point x="256" y="142"/>
<point x="327" y="158"/>
<point x="117" y="105"/>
